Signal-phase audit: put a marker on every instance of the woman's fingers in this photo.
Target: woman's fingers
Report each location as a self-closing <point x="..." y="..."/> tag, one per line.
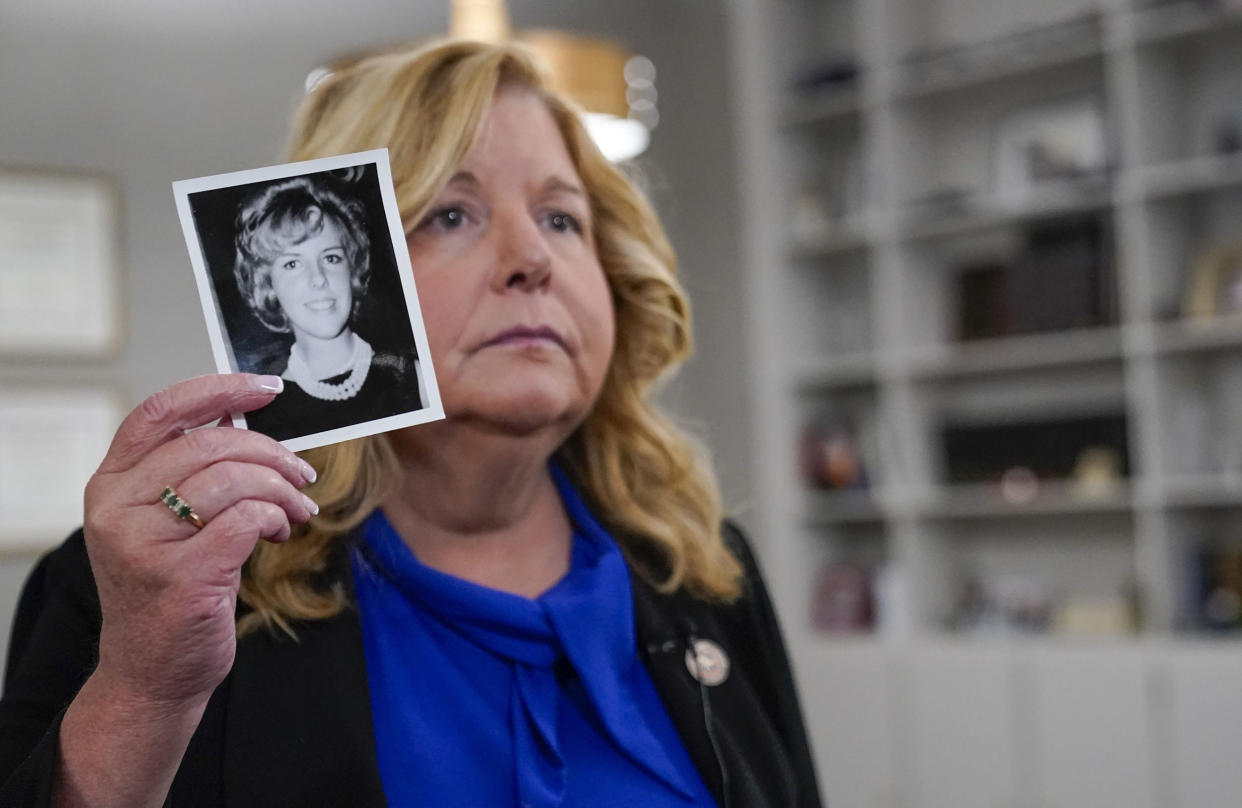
<point x="109" y="497"/>
<point x="182" y="458"/>
<point x="168" y="414"/>
<point x="220" y="486"/>
<point x="215" y="555"/>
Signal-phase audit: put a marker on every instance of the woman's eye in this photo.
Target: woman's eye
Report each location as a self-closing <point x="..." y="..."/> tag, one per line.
<point x="564" y="223"/>
<point x="446" y="218"/>
<point x="334" y="258"/>
<point x="290" y="263"/>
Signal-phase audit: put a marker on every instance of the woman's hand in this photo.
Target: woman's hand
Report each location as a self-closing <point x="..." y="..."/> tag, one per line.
<point x="168" y="589"/>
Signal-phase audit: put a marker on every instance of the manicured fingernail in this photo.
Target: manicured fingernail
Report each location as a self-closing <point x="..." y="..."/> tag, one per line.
<point x="308" y="471"/>
<point x="310" y="505"/>
<point x="268" y="384"/>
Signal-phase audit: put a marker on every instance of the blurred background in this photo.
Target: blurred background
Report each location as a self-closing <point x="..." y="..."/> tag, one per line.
<point x="967" y="278"/>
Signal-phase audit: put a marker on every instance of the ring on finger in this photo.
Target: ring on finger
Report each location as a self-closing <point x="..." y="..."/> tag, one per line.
<point x="181" y="508"/>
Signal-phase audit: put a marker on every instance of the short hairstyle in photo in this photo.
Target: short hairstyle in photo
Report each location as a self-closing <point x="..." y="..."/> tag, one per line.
<point x="288" y="213"/>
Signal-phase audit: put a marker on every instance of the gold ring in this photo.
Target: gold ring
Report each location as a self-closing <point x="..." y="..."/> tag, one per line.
<point x="182" y="508"/>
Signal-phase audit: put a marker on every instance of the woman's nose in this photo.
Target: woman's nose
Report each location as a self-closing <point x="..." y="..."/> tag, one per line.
<point x="524" y="262"/>
<point x="317" y="277"/>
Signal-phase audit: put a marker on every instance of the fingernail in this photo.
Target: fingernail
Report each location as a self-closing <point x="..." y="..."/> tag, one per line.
<point x="310" y="505"/>
<point x="268" y="384"/>
<point x="308" y="471"/>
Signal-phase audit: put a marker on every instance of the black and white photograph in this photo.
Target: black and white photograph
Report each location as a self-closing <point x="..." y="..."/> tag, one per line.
<point x="304" y="274"/>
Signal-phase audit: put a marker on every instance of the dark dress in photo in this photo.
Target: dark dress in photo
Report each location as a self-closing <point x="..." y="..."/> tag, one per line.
<point x="393" y="386"/>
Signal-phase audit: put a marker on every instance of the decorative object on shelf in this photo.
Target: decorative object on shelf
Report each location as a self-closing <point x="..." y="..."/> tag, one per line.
<point x="999" y="604"/>
<point x="1227" y="134"/>
<point x="51" y="441"/>
<point x="833" y="200"/>
<point x="812" y="220"/>
<point x="949" y="202"/>
<point x="1082" y="615"/>
<point x="927" y="69"/>
<point x="891" y="599"/>
<point x="1065" y="278"/>
<point x="1019" y="485"/>
<point x="818" y="216"/>
<point x="1214" y="286"/>
<point x="1216" y="589"/>
<point x="1051" y="142"/>
<point x="971" y="605"/>
<point x="59" y="264"/>
<point x="832" y="456"/>
<point x="843" y="601"/>
<point x="1019" y="604"/>
<point x="829" y="74"/>
<point x="1048" y="448"/>
<point x="1061" y="280"/>
<point x="984" y="301"/>
<point x="1097" y="473"/>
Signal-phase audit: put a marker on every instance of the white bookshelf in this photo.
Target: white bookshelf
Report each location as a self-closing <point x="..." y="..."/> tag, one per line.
<point x="858" y="319"/>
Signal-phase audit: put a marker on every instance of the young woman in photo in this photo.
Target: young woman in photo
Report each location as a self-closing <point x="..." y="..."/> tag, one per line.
<point x="303" y="267"/>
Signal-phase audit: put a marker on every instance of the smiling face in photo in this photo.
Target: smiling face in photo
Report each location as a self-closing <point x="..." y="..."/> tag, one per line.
<point x="311" y="280"/>
<point x="518" y="311"/>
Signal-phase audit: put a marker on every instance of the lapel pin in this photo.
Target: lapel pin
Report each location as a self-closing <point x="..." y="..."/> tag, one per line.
<point x="707" y="662"/>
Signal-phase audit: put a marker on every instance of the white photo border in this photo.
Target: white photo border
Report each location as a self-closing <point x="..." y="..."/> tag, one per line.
<point x="220" y="349"/>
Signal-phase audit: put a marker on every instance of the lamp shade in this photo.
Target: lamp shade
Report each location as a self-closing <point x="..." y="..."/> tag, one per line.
<point x="615" y="89"/>
<point x="592" y="72"/>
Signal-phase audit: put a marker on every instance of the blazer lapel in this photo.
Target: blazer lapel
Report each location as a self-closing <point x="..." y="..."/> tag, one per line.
<point x="298" y="729"/>
<point x="662" y="647"/>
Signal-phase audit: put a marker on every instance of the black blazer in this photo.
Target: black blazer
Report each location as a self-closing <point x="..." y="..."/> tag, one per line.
<point x="291" y="723"/>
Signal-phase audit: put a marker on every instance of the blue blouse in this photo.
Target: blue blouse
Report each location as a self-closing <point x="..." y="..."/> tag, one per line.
<point x="485" y="698"/>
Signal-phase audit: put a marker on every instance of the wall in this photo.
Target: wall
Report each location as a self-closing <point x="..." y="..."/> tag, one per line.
<point x="148" y="93"/>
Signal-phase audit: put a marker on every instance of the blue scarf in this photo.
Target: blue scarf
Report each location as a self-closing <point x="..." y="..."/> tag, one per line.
<point x="480" y="697"/>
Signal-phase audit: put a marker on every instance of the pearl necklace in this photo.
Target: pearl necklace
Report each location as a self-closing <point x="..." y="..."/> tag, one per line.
<point x="358" y="366"/>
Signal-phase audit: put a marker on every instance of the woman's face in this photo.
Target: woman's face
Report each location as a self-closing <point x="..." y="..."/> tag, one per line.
<point x="311" y="280"/>
<point x="516" y="305"/>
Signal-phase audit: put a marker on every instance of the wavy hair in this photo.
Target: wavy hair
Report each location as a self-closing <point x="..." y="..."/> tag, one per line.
<point x="647" y="480"/>
<point x="286" y="213"/>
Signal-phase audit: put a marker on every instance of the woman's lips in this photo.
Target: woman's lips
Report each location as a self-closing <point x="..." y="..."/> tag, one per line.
<point x="321" y="305"/>
<point x="526" y="335"/>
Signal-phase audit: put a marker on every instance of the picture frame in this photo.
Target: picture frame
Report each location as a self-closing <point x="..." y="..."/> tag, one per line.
<point x="52" y="438"/>
<point x="60" y="267"/>
<point x="328" y="233"/>
<point x="1054" y="141"/>
<point x="1214" y="285"/>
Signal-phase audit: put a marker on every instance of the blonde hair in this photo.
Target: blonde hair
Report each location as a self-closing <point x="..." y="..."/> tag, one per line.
<point x="645" y="479"/>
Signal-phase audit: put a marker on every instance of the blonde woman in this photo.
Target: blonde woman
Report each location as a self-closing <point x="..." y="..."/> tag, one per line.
<point x="531" y="602"/>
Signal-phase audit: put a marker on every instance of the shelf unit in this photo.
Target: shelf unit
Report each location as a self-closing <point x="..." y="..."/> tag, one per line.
<point x="863" y="305"/>
<point x="855" y="319"/>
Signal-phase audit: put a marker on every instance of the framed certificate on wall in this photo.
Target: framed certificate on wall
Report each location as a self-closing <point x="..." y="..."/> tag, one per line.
<point x="52" y="439"/>
<point x="59" y="264"/>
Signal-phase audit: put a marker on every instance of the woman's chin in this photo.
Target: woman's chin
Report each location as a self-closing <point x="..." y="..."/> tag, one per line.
<point x="521" y="412"/>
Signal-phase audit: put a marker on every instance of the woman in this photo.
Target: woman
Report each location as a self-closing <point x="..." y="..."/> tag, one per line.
<point x="529" y="602"/>
<point x="303" y="266"/>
